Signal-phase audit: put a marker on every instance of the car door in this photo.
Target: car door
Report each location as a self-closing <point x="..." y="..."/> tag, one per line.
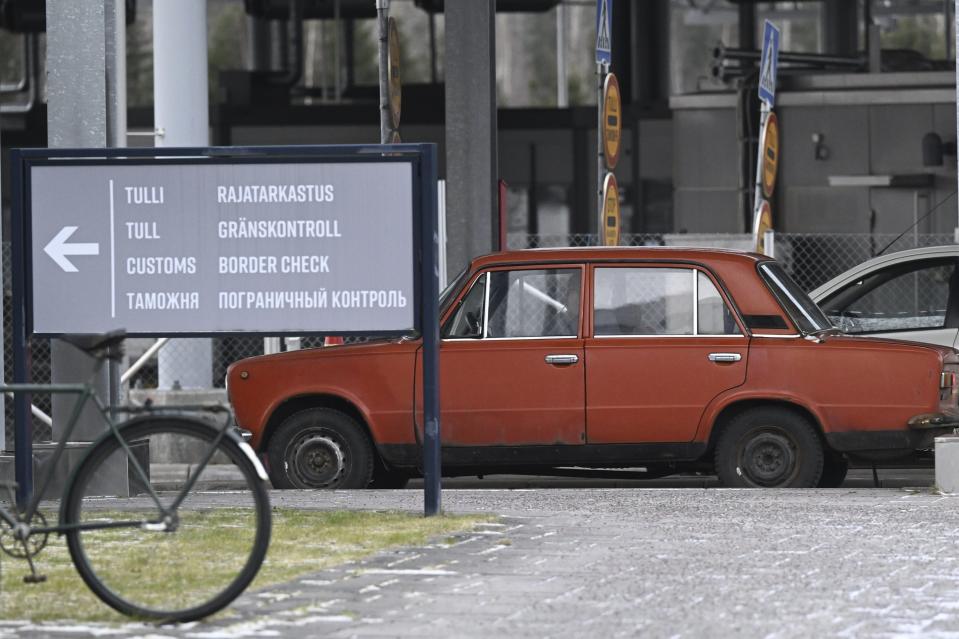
<point x="915" y="301"/>
<point x="664" y="343"/>
<point x="511" y="360"/>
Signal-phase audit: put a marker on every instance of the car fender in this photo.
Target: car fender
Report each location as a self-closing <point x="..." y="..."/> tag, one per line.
<point x="737" y="395"/>
<point x="336" y="392"/>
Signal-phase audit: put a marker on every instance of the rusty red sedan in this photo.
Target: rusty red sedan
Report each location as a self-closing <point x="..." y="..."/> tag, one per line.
<point x="667" y="359"/>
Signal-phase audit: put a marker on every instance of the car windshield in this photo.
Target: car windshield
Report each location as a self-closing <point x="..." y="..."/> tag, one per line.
<point x="803" y="311"/>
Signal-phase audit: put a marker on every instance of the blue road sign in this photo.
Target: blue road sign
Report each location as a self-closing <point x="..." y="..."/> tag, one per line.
<point x="767" y="66"/>
<point x="604" y="31"/>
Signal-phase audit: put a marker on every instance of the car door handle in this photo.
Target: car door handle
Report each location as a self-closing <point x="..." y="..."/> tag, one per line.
<point x="562" y="360"/>
<point x="725" y="357"/>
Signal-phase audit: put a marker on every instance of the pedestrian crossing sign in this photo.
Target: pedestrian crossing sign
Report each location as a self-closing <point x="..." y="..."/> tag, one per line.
<point x="767" y="65"/>
<point x="604" y="29"/>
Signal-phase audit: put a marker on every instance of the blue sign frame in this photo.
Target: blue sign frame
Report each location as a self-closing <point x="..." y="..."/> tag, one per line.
<point x="768" y="64"/>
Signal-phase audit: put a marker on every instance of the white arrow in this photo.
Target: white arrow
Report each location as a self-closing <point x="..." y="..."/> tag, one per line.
<point x="58" y="249"/>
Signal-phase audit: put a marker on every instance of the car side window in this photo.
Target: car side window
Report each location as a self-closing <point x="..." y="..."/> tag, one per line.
<point x="650" y="301"/>
<point x="533" y="303"/>
<point x="713" y="315"/>
<point x="468" y="321"/>
<point x="898" y="298"/>
<point x="643" y="301"/>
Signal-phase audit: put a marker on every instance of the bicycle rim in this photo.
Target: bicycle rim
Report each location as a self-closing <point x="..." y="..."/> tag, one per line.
<point x="190" y="565"/>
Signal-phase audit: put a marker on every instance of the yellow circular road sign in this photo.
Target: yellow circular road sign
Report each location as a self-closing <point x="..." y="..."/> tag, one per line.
<point x="770" y="154"/>
<point x="395" y="84"/>
<point x="611" y="218"/>
<point x="612" y="120"/>
<point x="763" y="224"/>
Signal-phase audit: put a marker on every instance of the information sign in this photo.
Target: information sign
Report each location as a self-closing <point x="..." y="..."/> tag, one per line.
<point x="612" y="121"/>
<point x="768" y="64"/>
<point x="770" y="151"/>
<point x="185" y="246"/>
<point x="764" y="222"/>
<point x="611" y="215"/>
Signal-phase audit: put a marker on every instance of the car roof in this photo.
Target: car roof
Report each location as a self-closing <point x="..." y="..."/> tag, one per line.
<point x="613" y="253"/>
<point x="899" y="257"/>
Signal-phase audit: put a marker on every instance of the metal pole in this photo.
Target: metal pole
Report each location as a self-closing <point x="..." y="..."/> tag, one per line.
<point x="434" y="74"/>
<point x="116" y="84"/>
<point x="601" y="70"/>
<point x="430" y="322"/>
<point x="562" y="85"/>
<point x="382" y="18"/>
<point x="337" y="28"/>
<point x="23" y="428"/>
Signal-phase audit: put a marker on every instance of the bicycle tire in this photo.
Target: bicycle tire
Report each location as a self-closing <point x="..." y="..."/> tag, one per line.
<point x="133" y="569"/>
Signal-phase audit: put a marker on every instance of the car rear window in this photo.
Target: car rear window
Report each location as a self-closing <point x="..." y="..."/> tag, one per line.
<point x="801" y="309"/>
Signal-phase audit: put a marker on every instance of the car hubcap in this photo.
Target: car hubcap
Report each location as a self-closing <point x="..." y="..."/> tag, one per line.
<point x="769" y="459"/>
<point x="318" y="460"/>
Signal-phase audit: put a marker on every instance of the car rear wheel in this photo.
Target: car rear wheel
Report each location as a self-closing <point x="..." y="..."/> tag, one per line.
<point x="320" y="448"/>
<point x="769" y="448"/>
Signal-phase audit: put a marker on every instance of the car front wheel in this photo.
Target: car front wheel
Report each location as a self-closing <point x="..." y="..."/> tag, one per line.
<point x="769" y="448"/>
<point x="320" y="448"/>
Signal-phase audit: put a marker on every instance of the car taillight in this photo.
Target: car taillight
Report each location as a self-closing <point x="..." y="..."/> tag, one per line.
<point x="947" y="379"/>
<point x="949" y="386"/>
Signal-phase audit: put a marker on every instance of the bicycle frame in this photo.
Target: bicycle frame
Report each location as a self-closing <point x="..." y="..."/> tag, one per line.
<point x="86" y="393"/>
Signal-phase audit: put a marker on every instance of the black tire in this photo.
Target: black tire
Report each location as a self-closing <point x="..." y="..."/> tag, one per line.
<point x="834" y="469"/>
<point x="190" y="561"/>
<point x="320" y="448"/>
<point x="769" y="448"/>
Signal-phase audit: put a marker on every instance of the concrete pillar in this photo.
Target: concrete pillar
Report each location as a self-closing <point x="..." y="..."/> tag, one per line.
<point x="841" y="27"/>
<point x="258" y="53"/>
<point x="86" y="107"/>
<point x="471" y="172"/>
<point x="181" y="109"/>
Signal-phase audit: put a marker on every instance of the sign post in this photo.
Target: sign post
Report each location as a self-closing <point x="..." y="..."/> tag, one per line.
<point x="604" y="58"/>
<point x="768" y="146"/>
<point x="337" y="240"/>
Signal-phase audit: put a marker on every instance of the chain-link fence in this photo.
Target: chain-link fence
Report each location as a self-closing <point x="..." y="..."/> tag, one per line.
<point x="811" y="258"/>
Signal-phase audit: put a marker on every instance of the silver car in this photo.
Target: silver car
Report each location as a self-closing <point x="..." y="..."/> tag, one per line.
<point x="911" y="295"/>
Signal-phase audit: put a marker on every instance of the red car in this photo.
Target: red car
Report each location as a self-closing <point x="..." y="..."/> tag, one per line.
<point x="664" y="358"/>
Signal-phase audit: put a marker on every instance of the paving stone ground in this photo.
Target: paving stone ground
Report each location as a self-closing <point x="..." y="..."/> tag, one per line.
<point x="851" y="562"/>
